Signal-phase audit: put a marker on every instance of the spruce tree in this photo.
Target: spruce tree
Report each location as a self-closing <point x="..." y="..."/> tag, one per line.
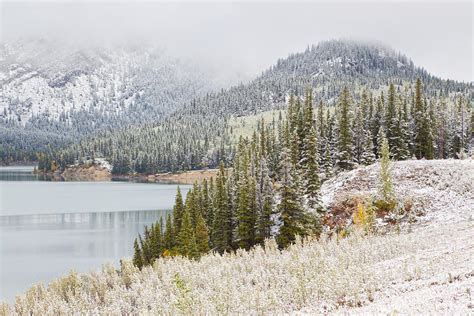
<point x="289" y="209"/>
<point x="376" y="125"/>
<point x="186" y="235"/>
<point x="178" y="210"/>
<point x="222" y="230"/>
<point x="419" y="126"/>
<point x="137" y="255"/>
<point x="344" y="155"/>
<point x="391" y="121"/>
<point x="311" y="172"/>
<point x="155" y="241"/>
<point x="265" y="201"/>
<point x="202" y="235"/>
<point x="169" y="235"/>
<point x="358" y="128"/>
<point x="386" y="185"/>
<point x="380" y="137"/>
<point x="367" y="155"/>
<point x="402" y="151"/>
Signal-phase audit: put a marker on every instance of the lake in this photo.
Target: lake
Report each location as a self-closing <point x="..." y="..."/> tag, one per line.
<point x="48" y="228"/>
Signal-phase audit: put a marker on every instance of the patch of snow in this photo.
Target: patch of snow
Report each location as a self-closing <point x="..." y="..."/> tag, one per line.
<point x="444" y="187"/>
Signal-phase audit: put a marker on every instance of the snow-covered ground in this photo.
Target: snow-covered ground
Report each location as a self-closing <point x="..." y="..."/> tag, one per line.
<point x="48" y="80"/>
<point x="437" y="274"/>
<point x="444" y="189"/>
<point x="427" y="269"/>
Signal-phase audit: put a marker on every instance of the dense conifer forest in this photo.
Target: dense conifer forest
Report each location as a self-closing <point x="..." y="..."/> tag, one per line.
<point x="273" y="187"/>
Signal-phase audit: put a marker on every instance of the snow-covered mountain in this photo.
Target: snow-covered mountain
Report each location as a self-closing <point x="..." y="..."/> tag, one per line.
<point x="44" y="80"/>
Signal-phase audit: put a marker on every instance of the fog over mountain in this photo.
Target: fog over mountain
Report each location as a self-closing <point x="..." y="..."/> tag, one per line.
<point x="239" y="40"/>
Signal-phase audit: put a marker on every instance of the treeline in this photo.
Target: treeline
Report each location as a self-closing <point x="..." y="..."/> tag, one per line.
<point x="197" y="134"/>
<point x="437" y="126"/>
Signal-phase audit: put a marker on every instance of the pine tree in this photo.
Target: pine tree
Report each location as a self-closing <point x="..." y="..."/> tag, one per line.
<point x="367" y="155"/>
<point x="207" y="211"/>
<point x="169" y="236"/>
<point x="380" y="137"/>
<point x="419" y="126"/>
<point x="265" y="203"/>
<point x="244" y="212"/>
<point x="145" y="250"/>
<point x="391" y="121"/>
<point x="178" y="211"/>
<point x="289" y="208"/>
<point x="137" y="255"/>
<point x="344" y="137"/>
<point x="155" y="241"/>
<point x="358" y="128"/>
<point x="193" y="250"/>
<point x="222" y="230"/>
<point x="386" y="186"/>
<point x="202" y="235"/>
<point x="186" y="235"/>
<point x="328" y="165"/>
<point x="376" y="125"/>
<point x="428" y="138"/>
<point x="311" y="173"/>
<point x="403" y="140"/>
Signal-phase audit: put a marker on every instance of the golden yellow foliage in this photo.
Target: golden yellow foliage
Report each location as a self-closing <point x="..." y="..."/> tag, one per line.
<point x="364" y="217"/>
<point x="360" y="216"/>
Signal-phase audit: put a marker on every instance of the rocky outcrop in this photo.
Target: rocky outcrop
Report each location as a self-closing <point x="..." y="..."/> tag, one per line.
<point x="187" y="177"/>
<point x="86" y="173"/>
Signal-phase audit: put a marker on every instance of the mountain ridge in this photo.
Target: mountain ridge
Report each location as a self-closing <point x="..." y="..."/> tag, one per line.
<point x="327" y="67"/>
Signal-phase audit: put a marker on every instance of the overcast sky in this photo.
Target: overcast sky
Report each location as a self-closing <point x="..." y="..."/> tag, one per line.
<point x="243" y="38"/>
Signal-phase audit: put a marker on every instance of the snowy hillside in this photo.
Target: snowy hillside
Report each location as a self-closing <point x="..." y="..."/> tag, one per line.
<point x="443" y="190"/>
<point x="46" y="81"/>
<point x="427" y="269"/>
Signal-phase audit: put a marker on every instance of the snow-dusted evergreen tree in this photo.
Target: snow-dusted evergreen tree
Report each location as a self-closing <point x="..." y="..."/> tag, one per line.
<point x="358" y="140"/>
<point x="311" y="172"/>
<point x="392" y="121"/>
<point x="344" y="153"/>
<point x="386" y="183"/>
<point x="222" y="225"/>
<point x="265" y="203"/>
<point x="402" y="150"/>
<point x="289" y="208"/>
<point x="376" y="124"/>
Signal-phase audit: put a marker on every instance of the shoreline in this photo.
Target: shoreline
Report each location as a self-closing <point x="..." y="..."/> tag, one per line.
<point x="98" y="173"/>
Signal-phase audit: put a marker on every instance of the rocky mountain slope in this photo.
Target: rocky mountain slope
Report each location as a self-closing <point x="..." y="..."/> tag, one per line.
<point x="425" y="268"/>
<point x="58" y="93"/>
<point x="40" y="79"/>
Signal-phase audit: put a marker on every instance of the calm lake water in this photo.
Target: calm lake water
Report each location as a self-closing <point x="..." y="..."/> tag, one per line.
<point x="49" y="228"/>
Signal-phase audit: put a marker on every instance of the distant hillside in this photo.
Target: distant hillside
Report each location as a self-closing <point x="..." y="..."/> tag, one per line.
<point x="327" y="67"/>
<point x="53" y="94"/>
<point x="199" y="135"/>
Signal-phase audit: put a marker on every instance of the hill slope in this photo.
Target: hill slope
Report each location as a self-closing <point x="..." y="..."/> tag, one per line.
<point x="198" y="134"/>
<point x="425" y="270"/>
<point x="52" y="94"/>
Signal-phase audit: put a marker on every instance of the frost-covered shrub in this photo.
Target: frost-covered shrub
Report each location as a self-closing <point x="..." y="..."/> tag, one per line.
<point x="322" y="274"/>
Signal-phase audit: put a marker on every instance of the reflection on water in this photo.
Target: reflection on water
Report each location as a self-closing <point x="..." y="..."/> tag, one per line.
<point x="20" y="173"/>
<point x="48" y="228"/>
<point x="39" y="248"/>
